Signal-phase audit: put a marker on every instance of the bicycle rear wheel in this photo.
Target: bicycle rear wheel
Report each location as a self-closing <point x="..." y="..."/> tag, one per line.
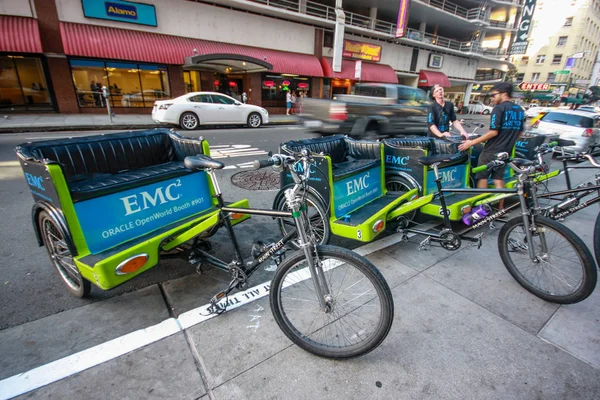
<point x="361" y="310"/>
<point x="565" y="274"/>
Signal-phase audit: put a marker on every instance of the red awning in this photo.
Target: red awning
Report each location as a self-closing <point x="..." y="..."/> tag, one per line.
<point x="430" y="78"/>
<point x="370" y="72"/>
<point x="19" y="35"/>
<point x="123" y="44"/>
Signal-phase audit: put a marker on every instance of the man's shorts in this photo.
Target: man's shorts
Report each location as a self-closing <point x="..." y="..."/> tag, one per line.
<point x="484" y="158"/>
<point x="288" y="104"/>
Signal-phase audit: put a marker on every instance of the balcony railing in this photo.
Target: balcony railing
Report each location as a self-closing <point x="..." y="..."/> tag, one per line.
<point x="361" y="21"/>
<point x="459" y="11"/>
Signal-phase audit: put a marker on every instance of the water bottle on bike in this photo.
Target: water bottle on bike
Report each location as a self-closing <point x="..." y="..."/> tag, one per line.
<point x="476" y="214"/>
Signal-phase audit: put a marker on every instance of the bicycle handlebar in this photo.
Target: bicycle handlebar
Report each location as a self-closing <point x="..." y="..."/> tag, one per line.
<point x="258" y="164"/>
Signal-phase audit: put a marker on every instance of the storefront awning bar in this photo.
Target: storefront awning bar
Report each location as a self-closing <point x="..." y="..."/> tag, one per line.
<point x="19" y="35"/>
<point x="430" y="78"/>
<point x="370" y="72"/>
<point x="124" y="44"/>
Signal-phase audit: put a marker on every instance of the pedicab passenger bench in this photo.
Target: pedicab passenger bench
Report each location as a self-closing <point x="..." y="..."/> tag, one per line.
<point x="349" y="181"/>
<point x="115" y="196"/>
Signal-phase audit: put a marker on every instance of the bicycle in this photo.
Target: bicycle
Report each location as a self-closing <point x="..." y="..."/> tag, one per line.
<point x="318" y="293"/>
<point x="528" y="264"/>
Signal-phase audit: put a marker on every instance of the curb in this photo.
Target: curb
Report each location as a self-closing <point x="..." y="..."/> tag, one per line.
<point x="56" y="128"/>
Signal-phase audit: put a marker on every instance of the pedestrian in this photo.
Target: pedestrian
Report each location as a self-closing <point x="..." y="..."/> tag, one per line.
<point x="441" y="115"/>
<point x="288" y="102"/>
<point x="507" y="122"/>
<point x="294" y="99"/>
<point x="244" y="97"/>
<point x="94" y="90"/>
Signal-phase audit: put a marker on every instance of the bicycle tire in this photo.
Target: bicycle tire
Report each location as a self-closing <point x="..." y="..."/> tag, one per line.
<point x="597" y="239"/>
<point x="319" y="221"/>
<point x="367" y="291"/>
<point x="577" y="269"/>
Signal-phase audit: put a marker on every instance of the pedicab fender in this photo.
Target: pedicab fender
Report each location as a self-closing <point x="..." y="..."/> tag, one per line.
<point x="58" y="217"/>
<point x="406" y="176"/>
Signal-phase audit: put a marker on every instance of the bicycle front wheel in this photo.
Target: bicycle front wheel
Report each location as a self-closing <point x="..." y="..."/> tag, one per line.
<point x="564" y="272"/>
<point x="360" y="306"/>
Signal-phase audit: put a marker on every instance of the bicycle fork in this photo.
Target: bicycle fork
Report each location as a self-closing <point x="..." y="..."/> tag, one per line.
<point x="529" y="228"/>
<point x="299" y="213"/>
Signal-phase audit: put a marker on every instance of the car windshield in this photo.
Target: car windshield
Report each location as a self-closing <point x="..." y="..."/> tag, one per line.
<point x="568" y="119"/>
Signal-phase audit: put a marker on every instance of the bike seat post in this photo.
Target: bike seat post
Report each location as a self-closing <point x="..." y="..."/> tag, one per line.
<point x="218" y="193"/>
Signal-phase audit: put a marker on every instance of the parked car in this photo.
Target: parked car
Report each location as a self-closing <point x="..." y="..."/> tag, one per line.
<point x="207" y="108"/>
<point x="589" y="109"/>
<point x="138" y="99"/>
<point x="579" y="126"/>
<point x="535" y="111"/>
<point x="479" y="108"/>
<point x="376" y="110"/>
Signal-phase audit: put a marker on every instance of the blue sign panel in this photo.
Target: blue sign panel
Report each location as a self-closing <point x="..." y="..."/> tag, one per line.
<point x="452" y="178"/>
<point x="116" y="218"/>
<point x="357" y="190"/>
<point x="123" y="11"/>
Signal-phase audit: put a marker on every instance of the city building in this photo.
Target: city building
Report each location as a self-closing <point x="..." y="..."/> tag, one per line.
<point x="58" y="55"/>
<point x="562" y="49"/>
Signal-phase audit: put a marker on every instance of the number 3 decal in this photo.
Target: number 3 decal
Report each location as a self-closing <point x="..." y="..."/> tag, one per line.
<point x="359" y="234"/>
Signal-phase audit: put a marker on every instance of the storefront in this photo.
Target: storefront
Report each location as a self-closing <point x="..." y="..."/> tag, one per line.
<point x="354" y="71"/>
<point x="23" y="71"/>
<point x="139" y="68"/>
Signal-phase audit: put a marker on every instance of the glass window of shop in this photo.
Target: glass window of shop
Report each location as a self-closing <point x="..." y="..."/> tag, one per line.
<point x="275" y="87"/>
<point x="129" y="84"/>
<point x="23" y="84"/>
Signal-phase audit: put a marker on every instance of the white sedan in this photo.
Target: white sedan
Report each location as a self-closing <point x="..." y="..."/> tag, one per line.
<point x="207" y="108"/>
<point x="479" y="108"/>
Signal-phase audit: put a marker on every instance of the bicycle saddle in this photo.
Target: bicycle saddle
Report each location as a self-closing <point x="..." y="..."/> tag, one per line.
<point x="565" y="142"/>
<point x="521" y="162"/>
<point x="202" y="162"/>
<point x="442" y="159"/>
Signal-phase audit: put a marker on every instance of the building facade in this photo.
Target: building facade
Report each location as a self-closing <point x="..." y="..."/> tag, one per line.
<point x="57" y="55"/>
<point x="562" y="50"/>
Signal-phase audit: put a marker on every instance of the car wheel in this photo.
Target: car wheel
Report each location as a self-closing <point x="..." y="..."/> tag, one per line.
<point x="189" y="121"/>
<point x="485" y="112"/>
<point x="254" y="120"/>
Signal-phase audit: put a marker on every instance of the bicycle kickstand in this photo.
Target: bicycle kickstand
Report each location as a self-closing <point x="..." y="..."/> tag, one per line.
<point x="424" y="243"/>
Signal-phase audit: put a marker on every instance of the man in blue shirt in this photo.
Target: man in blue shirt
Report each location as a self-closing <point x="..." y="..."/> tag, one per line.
<point x="507" y="122"/>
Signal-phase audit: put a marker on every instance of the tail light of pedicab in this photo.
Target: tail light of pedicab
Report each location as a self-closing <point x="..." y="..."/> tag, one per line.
<point x="378" y="226"/>
<point x="132" y="264"/>
<point x="235" y="216"/>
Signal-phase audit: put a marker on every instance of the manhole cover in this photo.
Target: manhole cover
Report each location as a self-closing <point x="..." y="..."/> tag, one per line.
<point x="264" y="179"/>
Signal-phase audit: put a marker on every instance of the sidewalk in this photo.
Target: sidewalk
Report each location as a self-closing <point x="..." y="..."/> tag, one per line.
<point x="16" y="123"/>
<point x="463" y="329"/>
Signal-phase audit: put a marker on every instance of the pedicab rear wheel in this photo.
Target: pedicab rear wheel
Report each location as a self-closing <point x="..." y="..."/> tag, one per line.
<point x="61" y="256"/>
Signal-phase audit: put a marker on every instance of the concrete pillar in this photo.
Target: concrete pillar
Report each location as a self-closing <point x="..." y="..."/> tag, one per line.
<point x="467" y="98"/>
<point x="373" y="16"/>
<point x="176" y="83"/>
<point x="62" y="82"/>
<point x="422" y="27"/>
<point x="481" y="36"/>
<point x="302" y="6"/>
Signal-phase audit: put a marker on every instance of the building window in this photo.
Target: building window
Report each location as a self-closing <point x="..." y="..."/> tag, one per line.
<point x="129" y="84"/>
<point x="520" y="77"/>
<point x="23" y="84"/>
<point x="540" y="59"/>
<point x="551" y="77"/>
<point x="525" y="60"/>
<point x="535" y="76"/>
<point x="569" y="21"/>
<point x="562" y="41"/>
<point x="275" y="87"/>
<point x="557" y="59"/>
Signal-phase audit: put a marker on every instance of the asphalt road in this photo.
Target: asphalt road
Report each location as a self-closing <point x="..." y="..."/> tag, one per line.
<point x="30" y="287"/>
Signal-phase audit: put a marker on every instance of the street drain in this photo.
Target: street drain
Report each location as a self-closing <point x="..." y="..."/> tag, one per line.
<point x="264" y="179"/>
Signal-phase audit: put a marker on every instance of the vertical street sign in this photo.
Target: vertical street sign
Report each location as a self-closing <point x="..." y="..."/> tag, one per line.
<point x="338" y="36"/>
<point x="519" y="45"/>
<point x="402" y="18"/>
<point x="357" y="69"/>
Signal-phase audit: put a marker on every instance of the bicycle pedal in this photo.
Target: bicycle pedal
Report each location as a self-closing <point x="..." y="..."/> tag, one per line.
<point x="423" y="245"/>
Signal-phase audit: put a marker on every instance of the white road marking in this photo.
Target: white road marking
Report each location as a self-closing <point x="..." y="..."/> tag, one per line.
<point x="54" y="371"/>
